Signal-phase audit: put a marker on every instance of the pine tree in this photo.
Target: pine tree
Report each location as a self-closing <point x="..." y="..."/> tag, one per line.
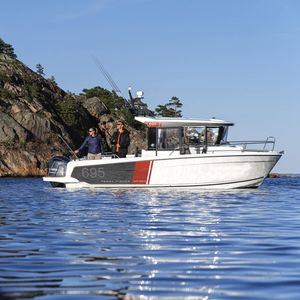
<point x="174" y="105"/>
<point x="7" y="49"/>
<point x="52" y="79"/>
<point x="40" y="69"/>
<point x="170" y="109"/>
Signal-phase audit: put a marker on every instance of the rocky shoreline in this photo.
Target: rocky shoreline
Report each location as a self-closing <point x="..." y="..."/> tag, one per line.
<point x="34" y="112"/>
<point x="282" y="175"/>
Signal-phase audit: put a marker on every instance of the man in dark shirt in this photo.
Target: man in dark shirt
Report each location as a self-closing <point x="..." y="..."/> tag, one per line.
<point x="120" y="140"/>
<point x="93" y="142"/>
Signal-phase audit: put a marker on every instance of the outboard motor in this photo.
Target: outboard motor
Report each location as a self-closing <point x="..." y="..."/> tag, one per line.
<point x="57" y="166"/>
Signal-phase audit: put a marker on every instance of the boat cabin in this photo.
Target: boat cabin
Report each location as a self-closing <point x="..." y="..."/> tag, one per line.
<point x="186" y="136"/>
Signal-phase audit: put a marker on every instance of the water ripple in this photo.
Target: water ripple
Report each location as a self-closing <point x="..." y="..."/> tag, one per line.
<point x="149" y="244"/>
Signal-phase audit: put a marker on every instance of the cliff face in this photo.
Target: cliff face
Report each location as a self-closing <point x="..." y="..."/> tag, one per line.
<point x="34" y="111"/>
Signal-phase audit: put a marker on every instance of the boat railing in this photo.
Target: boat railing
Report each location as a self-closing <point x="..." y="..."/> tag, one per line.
<point x="265" y="145"/>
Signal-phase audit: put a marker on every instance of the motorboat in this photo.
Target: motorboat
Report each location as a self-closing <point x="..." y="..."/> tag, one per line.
<point x="181" y="153"/>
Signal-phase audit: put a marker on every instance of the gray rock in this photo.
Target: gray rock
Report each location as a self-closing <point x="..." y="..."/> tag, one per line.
<point x="95" y="107"/>
<point x="33" y="122"/>
<point x="11" y="131"/>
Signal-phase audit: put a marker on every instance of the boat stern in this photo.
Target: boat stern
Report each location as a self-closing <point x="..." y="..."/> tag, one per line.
<point x="56" y="171"/>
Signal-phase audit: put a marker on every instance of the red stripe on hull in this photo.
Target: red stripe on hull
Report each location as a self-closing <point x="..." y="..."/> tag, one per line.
<point x="149" y="173"/>
<point x="141" y="170"/>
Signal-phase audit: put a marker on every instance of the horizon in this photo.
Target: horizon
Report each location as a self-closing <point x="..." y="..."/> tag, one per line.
<point x="233" y="60"/>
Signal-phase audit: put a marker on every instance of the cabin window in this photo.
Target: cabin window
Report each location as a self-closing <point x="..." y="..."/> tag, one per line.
<point x="212" y="135"/>
<point x="151" y="138"/>
<point x="198" y="135"/>
<point x="164" y="138"/>
<point x="171" y="138"/>
<point x="222" y="136"/>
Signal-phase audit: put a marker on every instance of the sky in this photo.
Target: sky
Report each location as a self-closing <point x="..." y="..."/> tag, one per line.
<point x="237" y="60"/>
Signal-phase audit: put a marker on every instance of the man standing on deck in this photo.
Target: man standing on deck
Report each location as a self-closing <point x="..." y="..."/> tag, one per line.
<point x="120" y="140"/>
<point x="93" y="142"/>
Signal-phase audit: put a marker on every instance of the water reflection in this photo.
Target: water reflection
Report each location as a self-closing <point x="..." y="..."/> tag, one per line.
<point x="178" y="236"/>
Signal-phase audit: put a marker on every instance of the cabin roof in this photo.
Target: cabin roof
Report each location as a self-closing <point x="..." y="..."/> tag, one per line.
<point x="181" y="122"/>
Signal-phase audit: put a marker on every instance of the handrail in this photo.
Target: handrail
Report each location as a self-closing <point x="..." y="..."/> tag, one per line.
<point x="244" y="146"/>
<point x="269" y="140"/>
<point x="272" y="141"/>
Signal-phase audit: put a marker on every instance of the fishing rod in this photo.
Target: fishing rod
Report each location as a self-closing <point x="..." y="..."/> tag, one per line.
<point x="68" y="146"/>
<point x="134" y="105"/>
<point x="107" y="76"/>
<point x="112" y="83"/>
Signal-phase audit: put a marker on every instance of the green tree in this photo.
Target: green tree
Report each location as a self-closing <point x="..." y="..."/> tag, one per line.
<point x="52" y="79"/>
<point x="7" y="49"/>
<point x="68" y="110"/>
<point x="171" y="109"/>
<point x="40" y="69"/>
<point x="163" y="111"/>
<point x="32" y="91"/>
<point x="110" y="99"/>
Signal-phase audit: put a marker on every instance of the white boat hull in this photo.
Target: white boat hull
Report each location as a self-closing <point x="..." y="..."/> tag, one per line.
<point x="207" y="171"/>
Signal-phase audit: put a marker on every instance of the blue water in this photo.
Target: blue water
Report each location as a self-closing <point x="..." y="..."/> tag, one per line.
<point x="93" y="244"/>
